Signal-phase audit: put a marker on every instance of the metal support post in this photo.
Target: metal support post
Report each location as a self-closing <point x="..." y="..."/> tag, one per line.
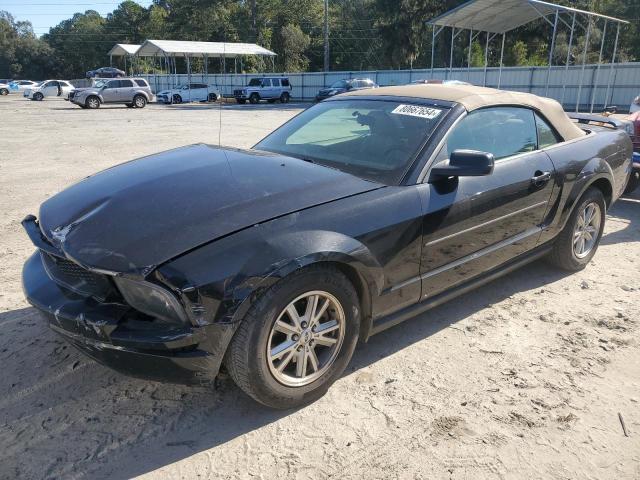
<point x="596" y="77"/>
<point x="501" y="60"/>
<point x="553" y="46"/>
<point x="613" y="61"/>
<point x="566" y="65"/>
<point x="486" y="60"/>
<point x="584" y="63"/>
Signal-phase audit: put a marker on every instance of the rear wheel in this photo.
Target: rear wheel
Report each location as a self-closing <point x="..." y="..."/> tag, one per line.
<point x="634" y="181"/>
<point x="297" y="339"/>
<point x="38" y="96"/>
<point x="577" y="244"/>
<point x="177" y="98"/>
<point x="213" y="97"/>
<point x="284" y="98"/>
<point x="4" y="91"/>
<point x="254" y="98"/>
<point x="139" y="101"/>
<point x="92" y="102"/>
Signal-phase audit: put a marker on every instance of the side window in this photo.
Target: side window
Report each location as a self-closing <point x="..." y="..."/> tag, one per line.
<point x="141" y="83"/>
<point x="126" y="83"/>
<point x="63" y="84"/>
<point x="266" y="82"/>
<point x="275" y="82"/>
<point x="51" y="84"/>
<point x="113" y="84"/>
<point x="546" y="135"/>
<point x="503" y="131"/>
<point x="285" y="82"/>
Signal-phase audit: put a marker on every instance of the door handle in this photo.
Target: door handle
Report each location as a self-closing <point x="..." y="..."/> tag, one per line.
<point x="540" y="178"/>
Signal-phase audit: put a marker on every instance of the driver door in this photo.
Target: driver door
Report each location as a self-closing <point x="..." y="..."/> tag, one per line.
<point x="50" y="89"/>
<point x="110" y="91"/>
<point x="473" y="224"/>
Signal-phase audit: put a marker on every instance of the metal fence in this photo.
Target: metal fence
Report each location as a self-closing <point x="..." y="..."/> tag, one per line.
<point x="603" y="84"/>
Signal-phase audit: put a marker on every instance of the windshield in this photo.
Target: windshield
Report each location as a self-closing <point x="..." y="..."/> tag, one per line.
<point x="255" y="82"/>
<point x="339" y="84"/>
<point x="372" y="139"/>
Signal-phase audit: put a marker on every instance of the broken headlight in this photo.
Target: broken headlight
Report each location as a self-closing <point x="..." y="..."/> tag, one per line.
<point x="152" y="299"/>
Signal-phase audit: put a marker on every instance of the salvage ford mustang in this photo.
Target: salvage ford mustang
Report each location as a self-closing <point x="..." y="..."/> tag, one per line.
<point x="360" y="212"/>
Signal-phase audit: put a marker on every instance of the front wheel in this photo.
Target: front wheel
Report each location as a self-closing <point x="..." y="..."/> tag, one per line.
<point x="4" y="91"/>
<point x="297" y="339"/>
<point x="92" y="102"/>
<point x="212" y="97"/>
<point x="38" y="96"/>
<point x="254" y="98"/>
<point x="577" y="243"/>
<point x="139" y="101"/>
<point x="176" y="98"/>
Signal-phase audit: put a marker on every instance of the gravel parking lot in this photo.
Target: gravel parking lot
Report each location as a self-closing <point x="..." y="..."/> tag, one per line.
<point x="527" y="377"/>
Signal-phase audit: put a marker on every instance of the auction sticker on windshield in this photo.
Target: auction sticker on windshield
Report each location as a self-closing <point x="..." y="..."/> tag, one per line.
<point x="417" y="111"/>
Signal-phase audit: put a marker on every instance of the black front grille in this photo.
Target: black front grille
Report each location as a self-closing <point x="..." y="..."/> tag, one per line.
<point x="237" y="92"/>
<point x="71" y="94"/>
<point x="72" y="276"/>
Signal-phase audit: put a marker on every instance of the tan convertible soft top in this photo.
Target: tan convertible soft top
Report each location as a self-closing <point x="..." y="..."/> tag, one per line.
<point x="473" y="98"/>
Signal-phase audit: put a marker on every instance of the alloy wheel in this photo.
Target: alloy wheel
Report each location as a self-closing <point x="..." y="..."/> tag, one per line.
<point x="306" y="338"/>
<point x="587" y="229"/>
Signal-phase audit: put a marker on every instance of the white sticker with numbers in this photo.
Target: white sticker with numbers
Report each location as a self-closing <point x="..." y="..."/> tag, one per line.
<point x="417" y="111"/>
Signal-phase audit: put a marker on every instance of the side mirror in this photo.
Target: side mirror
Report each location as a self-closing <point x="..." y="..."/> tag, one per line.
<point x="464" y="163"/>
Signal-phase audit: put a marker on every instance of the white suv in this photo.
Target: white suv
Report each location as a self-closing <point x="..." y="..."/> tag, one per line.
<point x="192" y="92"/>
<point x="265" y="88"/>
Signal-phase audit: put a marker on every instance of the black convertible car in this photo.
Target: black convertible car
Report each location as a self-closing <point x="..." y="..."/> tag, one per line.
<point x="357" y="214"/>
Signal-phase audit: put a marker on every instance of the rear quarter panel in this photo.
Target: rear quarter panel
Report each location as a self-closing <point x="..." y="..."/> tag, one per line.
<point x="602" y="155"/>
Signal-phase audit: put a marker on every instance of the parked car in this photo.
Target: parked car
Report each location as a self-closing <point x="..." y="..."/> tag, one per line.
<point x="265" y="88"/>
<point x="635" y="105"/>
<point x="133" y="92"/>
<point x="436" y="81"/>
<point x="4" y="88"/>
<point x="362" y="211"/>
<point x="634" y="118"/>
<point x="345" y="85"/>
<point x="192" y="92"/>
<point x="21" y="85"/>
<point x="48" y="88"/>
<point x="106" y="72"/>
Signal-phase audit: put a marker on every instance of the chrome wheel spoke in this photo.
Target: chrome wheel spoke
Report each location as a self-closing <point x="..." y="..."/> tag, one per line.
<point x="312" y="304"/>
<point x="320" y="312"/>
<point x="283" y="348"/>
<point x="286" y="328"/>
<point x="327" y="327"/>
<point x="326" y="341"/>
<point x="293" y="315"/>
<point x="301" y="364"/>
<point x="313" y="360"/>
<point x="286" y="360"/>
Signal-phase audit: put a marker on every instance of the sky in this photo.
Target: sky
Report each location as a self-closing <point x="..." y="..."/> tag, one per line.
<point x="44" y="14"/>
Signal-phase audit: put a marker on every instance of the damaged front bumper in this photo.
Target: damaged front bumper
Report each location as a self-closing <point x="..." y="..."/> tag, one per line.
<point x="119" y="337"/>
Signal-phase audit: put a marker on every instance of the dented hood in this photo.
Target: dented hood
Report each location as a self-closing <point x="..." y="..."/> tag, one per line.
<point x="135" y="216"/>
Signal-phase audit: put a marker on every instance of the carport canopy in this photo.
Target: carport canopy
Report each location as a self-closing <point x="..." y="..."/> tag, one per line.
<point x="179" y="48"/>
<point x="123" y="49"/>
<point x="498" y="17"/>
<point x="501" y="16"/>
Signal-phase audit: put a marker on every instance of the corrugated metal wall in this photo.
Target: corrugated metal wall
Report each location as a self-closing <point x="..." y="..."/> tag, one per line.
<point x="563" y="84"/>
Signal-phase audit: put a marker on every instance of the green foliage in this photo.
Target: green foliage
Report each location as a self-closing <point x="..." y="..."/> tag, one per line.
<point x="364" y="34"/>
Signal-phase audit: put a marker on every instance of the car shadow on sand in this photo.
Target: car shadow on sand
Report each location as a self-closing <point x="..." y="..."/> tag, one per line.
<point x="78" y="418"/>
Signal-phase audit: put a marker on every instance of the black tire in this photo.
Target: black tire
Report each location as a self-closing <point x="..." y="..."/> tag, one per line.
<point x="563" y="254"/>
<point x="92" y="102"/>
<point x="254" y="98"/>
<point x="212" y="97"/>
<point x="246" y="356"/>
<point x="4" y="91"/>
<point x="38" y="97"/>
<point x="284" y="98"/>
<point x="634" y="181"/>
<point x="176" y="98"/>
<point x="241" y="101"/>
<point x="139" y="101"/>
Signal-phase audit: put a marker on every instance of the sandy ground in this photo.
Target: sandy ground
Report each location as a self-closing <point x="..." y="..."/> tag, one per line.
<point x="522" y="379"/>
